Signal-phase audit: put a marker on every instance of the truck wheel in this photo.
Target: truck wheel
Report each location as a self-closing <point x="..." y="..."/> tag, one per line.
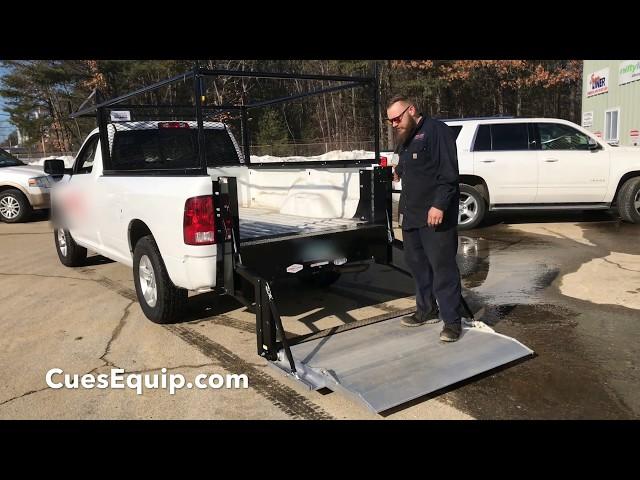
<point x="69" y="252"/>
<point x="160" y="299"/>
<point x="14" y="206"/>
<point x="472" y="207"/>
<point x="629" y="200"/>
<point x="320" y="279"/>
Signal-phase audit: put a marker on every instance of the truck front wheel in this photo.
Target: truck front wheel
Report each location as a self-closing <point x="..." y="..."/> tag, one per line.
<point x="629" y="200"/>
<point x="69" y="252"/>
<point x="159" y="298"/>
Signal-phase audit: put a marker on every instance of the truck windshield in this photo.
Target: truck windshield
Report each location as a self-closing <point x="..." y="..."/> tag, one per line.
<point x="170" y="148"/>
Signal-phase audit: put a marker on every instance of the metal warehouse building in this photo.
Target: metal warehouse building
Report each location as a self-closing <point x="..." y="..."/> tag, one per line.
<point x="611" y="100"/>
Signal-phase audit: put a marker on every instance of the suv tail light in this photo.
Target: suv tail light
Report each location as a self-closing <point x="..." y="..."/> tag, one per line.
<point x="383" y="161"/>
<point x="198" y="226"/>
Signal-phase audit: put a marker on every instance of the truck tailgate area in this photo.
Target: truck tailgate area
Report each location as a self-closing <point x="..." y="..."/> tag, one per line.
<point x="262" y="223"/>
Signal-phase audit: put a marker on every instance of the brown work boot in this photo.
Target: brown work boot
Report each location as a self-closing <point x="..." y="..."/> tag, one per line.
<point x="451" y="332"/>
<point x="420" y="318"/>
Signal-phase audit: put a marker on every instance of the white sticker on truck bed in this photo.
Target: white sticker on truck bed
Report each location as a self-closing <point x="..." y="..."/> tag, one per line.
<point x="296" y="267"/>
<point x="120" y="116"/>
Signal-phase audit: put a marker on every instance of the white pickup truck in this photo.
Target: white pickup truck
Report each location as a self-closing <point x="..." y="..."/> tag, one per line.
<point x="165" y="227"/>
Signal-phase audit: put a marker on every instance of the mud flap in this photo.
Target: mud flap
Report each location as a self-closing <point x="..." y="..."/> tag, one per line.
<point x="385" y="364"/>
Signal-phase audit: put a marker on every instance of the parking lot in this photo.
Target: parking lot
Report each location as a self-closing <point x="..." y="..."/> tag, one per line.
<point x="565" y="285"/>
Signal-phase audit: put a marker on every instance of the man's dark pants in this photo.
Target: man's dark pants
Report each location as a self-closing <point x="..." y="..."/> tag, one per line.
<point x="431" y="257"/>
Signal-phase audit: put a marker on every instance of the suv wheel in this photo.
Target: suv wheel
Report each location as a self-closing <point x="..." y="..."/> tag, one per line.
<point x="472" y="207"/>
<point x="629" y="200"/>
<point x="14" y="206"/>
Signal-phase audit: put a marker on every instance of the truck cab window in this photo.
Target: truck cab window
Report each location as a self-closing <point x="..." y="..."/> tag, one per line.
<point x="84" y="161"/>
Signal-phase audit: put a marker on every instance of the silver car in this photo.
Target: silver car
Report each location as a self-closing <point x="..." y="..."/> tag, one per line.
<point x="23" y="189"/>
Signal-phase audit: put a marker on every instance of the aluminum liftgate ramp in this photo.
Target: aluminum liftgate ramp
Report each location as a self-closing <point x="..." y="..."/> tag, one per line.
<point x="378" y="362"/>
<point x="384" y="365"/>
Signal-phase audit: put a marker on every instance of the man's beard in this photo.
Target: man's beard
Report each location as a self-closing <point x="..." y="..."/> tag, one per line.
<point x="403" y="134"/>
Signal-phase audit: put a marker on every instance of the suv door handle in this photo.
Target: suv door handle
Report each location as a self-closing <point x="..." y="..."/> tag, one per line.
<point x="551" y="160"/>
<point x="487" y="161"/>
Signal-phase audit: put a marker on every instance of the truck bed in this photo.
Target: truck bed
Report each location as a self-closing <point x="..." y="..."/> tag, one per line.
<point x="263" y="223"/>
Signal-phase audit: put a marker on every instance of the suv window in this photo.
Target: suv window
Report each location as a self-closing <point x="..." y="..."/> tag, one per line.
<point x="502" y="136"/>
<point x="8" y="160"/>
<point x="84" y="160"/>
<point x="483" y="139"/>
<point x="509" y="136"/>
<point x="170" y="148"/>
<point x="555" y="136"/>
<point x="456" y="130"/>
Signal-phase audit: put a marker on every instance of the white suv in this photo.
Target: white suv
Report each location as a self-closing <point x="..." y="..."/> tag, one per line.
<point x="23" y="188"/>
<point x="541" y="164"/>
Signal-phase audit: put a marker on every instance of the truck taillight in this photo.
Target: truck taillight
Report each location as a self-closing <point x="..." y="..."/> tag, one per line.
<point x="383" y="161"/>
<point x="173" y="125"/>
<point x="198" y="226"/>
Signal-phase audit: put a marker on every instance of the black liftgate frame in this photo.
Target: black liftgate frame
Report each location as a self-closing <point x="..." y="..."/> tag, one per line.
<point x="260" y="264"/>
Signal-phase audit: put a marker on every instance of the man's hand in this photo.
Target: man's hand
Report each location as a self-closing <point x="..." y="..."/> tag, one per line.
<point x="396" y="178"/>
<point x="434" y="217"/>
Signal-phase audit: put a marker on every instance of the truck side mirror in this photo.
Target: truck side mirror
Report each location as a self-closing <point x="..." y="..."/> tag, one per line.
<point x="54" y="167"/>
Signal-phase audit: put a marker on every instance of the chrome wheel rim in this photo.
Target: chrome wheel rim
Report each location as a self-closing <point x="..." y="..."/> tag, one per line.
<point x="62" y="242"/>
<point x="148" y="281"/>
<point x="467" y="209"/>
<point x="9" y="207"/>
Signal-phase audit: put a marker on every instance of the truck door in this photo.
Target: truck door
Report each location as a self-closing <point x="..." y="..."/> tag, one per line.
<point x="79" y="199"/>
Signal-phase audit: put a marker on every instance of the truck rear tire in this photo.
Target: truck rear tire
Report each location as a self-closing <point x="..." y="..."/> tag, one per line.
<point x="160" y="300"/>
<point x="69" y="252"/>
<point x="629" y="200"/>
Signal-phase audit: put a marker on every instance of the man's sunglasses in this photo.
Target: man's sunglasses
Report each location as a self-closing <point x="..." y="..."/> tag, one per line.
<point x="397" y="119"/>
